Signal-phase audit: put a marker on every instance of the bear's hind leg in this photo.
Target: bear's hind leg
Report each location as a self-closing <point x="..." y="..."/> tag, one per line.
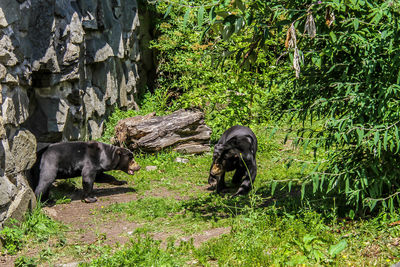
<point x="47" y="177"/>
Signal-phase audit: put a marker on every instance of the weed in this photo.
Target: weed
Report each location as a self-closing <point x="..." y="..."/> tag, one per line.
<point x="143" y="251"/>
<point x="12" y="238"/>
<point x="24" y="261"/>
<point x="36" y="225"/>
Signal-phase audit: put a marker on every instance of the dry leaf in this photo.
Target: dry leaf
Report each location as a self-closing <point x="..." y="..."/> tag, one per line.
<point x="296" y="62"/>
<point x="329" y="16"/>
<point x="291" y="37"/>
<point x="310" y="26"/>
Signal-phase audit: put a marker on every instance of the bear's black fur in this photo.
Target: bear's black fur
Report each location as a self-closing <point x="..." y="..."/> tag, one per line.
<point x="86" y="159"/>
<point x="235" y="150"/>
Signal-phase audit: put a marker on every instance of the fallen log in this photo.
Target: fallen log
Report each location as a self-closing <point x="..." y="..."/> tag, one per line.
<point x="183" y="131"/>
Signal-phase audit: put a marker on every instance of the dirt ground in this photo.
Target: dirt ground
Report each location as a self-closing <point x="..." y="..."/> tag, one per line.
<point x="87" y="226"/>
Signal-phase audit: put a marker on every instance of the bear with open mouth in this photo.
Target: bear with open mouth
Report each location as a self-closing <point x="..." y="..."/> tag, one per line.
<point x="87" y="159"/>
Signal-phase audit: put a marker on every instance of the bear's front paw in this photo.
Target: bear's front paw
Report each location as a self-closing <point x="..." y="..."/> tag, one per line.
<point x="89" y="199"/>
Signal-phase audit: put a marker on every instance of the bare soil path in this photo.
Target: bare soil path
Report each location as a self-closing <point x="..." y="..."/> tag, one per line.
<point x="87" y="225"/>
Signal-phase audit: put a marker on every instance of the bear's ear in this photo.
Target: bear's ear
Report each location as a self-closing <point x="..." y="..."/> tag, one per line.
<point x="119" y="152"/>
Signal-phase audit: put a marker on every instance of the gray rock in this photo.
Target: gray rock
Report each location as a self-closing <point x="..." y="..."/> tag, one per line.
<point x="2" y="129"/>
<point x="71" y="54"/>
<point x="23" y="150"/>
<point x="89" y="22"/>
<point x="181" y="160"/>
<point x="76" y="29"/>
<point x="9" y="12"/>
<point x="94" y="102"/>
<point x="15" y="107"/>
<point x="7" y="191"/>
<point x="3" y="143"/>
<point x="98" y="50"/>
<point x="96" y="129"/>
<point x="7" y="56"/>
<point x="151" y="168"/>
<point x="64" y="66"/>
<point x="23" y="201"/>
<point x="11" y="80"/>
<point x="3" y="71"/>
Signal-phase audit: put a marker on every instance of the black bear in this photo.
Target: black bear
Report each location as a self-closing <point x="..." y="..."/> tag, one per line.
<point x="235" y="150"/>
<point x="86" y="159"/>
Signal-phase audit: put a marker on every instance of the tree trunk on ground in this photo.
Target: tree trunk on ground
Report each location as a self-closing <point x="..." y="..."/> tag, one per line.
<point x="183" y="131"/>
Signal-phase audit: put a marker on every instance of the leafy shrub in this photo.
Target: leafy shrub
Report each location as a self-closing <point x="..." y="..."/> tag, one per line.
<point x="36" y="225"/>
<point x="345" y="60"/>
<point x="190" y="78"/>
<point x="24" y="261"/>
<point x="12" y="239"/>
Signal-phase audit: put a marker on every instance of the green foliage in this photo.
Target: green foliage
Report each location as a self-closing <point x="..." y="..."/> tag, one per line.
<point x="261" y="228"/>
<point x="144" y="251"/>
<point x="12" y="239"/>
<point x="36" y="225"/>
<point x="192" y="78"/>
<point x="24" y="261"/>
<point x="345" y="56"/>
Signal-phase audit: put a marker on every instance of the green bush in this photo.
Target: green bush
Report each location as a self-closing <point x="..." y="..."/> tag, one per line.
<point x="190" y="78"/>
<point x="12" y="239"/>
<point x="345" y="60"/>
<point x="36" y="226"/>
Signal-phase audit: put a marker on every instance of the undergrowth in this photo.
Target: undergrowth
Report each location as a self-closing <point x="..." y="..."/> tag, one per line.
<point x="36" y="227"/>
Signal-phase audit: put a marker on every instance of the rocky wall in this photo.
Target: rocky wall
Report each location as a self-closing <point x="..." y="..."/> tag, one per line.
<point x="64" y="66"/>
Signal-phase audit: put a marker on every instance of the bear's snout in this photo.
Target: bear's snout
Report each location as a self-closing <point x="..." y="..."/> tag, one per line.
<point x="216" y="170"/>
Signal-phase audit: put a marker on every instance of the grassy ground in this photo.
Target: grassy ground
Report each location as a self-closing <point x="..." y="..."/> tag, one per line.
<point x="173" y="210"/>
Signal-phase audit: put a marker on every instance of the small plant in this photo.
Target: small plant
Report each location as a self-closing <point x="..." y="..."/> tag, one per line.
<point x="36" y="225"/>
<point x="24" y="261"/>
<point x="12" y="238"/>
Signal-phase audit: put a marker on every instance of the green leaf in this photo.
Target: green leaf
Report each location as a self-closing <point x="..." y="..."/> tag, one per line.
<point x="227" y="31"/>
<point x="377" y="18"/>
<point x="240" y="5"/>
<point x="204" y="33"/>
<point x="385" y="140"/>
<point x="212" y="14"/>
<point x="273" y="132"/>
<point x="360" y="133"/>
<point x="334" y="250"/>
<point x="356" y="24"/>
<point x="308" y="238"/>
<point x="376" y="138"/>
<point x="317" y="60"/>
<point x="200" y="16"/>
<point x="273" y="187"/>
<point x="303" y="190"/>
<point x="168" y="11"/>
<point x="186" y="17"/>
<point x="333" y="36"/>
<point x="238" y="24"/>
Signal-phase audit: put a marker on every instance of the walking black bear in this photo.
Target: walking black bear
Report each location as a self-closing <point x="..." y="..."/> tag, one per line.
<point x="235" y="150"/>
<point x="86" y="159"/>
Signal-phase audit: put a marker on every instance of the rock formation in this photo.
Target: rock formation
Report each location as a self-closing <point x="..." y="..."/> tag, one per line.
<point x="64" y="66"/>
<point x="183" y="131"/>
